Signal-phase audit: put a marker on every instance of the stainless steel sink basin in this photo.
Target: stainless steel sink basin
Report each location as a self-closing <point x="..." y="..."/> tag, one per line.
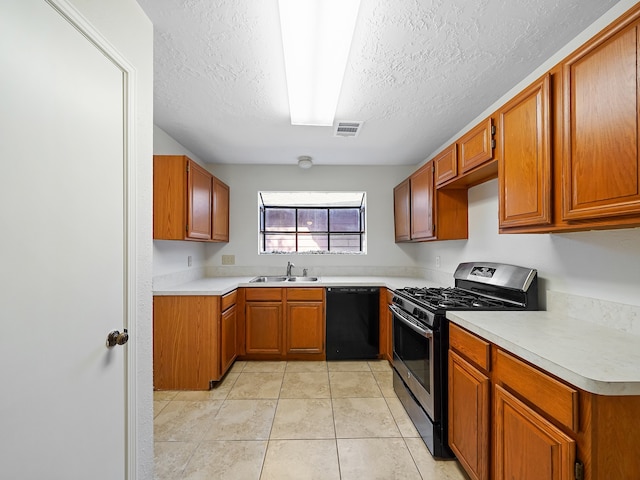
<point x="268" y="279"/>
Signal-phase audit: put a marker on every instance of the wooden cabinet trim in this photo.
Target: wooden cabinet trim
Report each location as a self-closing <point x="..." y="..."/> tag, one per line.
<point x="470" y="346"/>
<point x="556" y="399"/>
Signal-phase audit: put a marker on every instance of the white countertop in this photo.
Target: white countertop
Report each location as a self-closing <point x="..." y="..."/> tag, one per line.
<point x="592" y="357"/>
<point x="222" y="285"/>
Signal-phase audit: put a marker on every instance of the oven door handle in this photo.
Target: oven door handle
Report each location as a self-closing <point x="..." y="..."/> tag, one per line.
<point x="426" y="333"/>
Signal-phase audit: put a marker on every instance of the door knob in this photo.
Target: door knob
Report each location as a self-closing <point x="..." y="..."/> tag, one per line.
<point x="116" y="338"/>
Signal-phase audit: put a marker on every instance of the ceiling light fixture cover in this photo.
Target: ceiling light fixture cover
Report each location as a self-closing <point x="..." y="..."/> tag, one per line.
<point x="304" y="162"/>
<point x="316" y="37"/>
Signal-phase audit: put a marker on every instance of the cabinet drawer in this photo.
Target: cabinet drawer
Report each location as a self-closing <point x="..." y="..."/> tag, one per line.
<point x="263" y="294"/>
<point x="473" y="348"/>
<point x="555" y="399"/>
<point x="229" y="299"/>
<point x="305" y="294"/>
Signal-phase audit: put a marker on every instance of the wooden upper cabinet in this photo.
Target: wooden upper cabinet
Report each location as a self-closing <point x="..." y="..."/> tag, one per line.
<point x="188" y="202"/>
<point x="433" y="214"/>
<point x="422" y="193"/>
<point x="524" y="159"/>
<point x="476" y="146"/>
<point x="601" y="171"/>
<point x="181" y="199"/>
<point x="446" y="165"/>
<point x="402" y="211"/>
<point x="220" y="212"/>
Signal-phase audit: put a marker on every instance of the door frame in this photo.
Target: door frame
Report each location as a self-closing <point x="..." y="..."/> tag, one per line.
<point x="71" y="14"/>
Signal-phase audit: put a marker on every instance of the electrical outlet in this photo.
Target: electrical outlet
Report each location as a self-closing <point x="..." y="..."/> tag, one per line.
<point x="189" y="260"/>
<point x="438" y="261"/>
<point x="228" y="259"/>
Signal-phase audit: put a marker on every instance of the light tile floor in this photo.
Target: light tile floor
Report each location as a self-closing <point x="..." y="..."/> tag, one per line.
<point x="293" y="420"/>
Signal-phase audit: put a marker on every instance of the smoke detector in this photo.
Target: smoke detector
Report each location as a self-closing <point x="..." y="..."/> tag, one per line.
<point x="347" y="129"/>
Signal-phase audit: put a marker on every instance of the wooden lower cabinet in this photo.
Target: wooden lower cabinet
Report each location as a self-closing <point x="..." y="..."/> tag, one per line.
<point x="284" y="323"/>
<point x="526" y="445"/>
<point x="193" y="341"/>
<point x="469" y="416"/>
<point x="510" y="420"/>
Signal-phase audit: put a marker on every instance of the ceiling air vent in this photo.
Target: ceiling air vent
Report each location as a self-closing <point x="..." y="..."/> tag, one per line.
<point x="347" y="129"/>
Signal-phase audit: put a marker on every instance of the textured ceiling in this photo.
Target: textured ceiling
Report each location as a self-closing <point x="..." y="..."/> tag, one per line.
<point x="419" y="71"/>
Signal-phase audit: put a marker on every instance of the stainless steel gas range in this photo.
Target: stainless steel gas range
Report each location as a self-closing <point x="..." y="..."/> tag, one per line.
<point x="421" y="336"/>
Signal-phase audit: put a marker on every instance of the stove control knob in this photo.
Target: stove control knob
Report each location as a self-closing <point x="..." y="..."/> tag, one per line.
<point x="416" y="312"/>
<point x="397" y="301"/>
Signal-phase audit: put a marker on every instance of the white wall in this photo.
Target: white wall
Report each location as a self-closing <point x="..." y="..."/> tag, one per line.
<point x="170" y="256"/>
<point x="246" y="181"/>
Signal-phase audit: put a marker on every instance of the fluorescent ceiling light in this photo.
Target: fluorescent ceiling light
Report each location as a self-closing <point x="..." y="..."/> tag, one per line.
<point x="316" y="36"/>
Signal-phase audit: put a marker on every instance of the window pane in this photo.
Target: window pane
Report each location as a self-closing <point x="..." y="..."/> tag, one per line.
<point x="345" y="220"/>
<point x="345" y="243"/>
<point x="280" y="242"/>
<point x="312" y="243"/>
<point x="280" y="220"/>
<point x="312" y="220"/>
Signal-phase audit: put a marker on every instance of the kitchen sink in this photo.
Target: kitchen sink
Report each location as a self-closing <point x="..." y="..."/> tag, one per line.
<point x="267" y="279"/>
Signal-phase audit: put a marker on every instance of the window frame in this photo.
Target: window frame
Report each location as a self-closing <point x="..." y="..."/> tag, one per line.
<point x="360" y="233"/>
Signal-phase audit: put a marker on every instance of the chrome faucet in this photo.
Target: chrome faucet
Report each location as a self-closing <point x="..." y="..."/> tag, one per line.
<point x="289" y="267"/>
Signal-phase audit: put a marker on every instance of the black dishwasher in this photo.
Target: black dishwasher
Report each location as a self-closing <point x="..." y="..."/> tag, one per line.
<point x="353" y="319"/>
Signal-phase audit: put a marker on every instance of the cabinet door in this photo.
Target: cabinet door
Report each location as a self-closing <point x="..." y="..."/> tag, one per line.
<point x="198" y="202"/>
<point x="526" y="445"/>
<point x="228" y="338"/>
<point x="601" y="174"/>
<point x="446" y="165"/>
<point x="469" y="416"/>
<point x="185" y="342"/>
<point x="220" y="217"/>
<point x="402" y="211"/>
<point x="422" y="203"/>
<point x="305" y="327"/>
<point x="524" y="164"/>
<point x="476" y="146"/>
<point x="263" y="328"/>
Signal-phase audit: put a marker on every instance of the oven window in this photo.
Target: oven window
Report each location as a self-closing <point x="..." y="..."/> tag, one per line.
<point x="415" y="351"/>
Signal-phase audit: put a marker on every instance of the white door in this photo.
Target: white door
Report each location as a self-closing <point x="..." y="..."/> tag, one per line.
<point x="62" y="250"/>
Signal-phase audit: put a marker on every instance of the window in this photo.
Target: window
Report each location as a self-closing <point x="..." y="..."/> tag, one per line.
<point x="312" y="222"/>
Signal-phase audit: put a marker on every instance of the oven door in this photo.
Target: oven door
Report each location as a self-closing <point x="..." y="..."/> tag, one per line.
<point x="413" y="350"/>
